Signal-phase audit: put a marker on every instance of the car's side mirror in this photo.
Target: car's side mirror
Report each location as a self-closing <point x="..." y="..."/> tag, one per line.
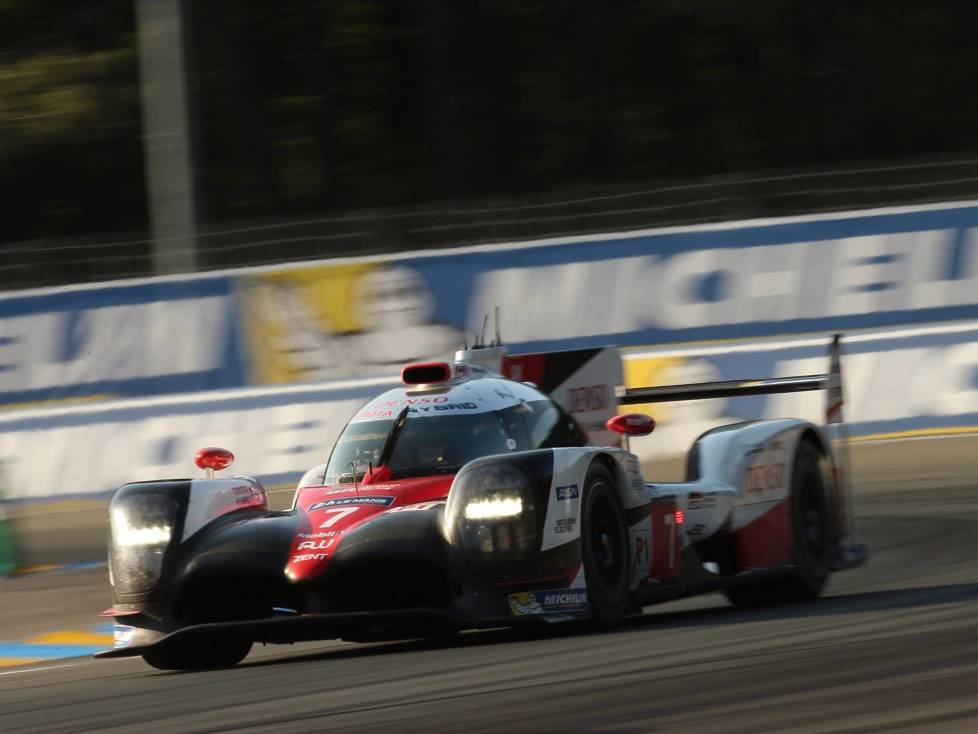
<point x="631" y="424"/>
<point x="213" y="458"/>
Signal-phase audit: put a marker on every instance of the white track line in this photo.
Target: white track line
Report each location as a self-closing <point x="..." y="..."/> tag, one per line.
<point x="36" y="670"/>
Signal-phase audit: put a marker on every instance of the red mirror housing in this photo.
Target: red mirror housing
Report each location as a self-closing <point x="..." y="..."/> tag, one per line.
<point x="631" y="424"/>
<point x="213" y="458"/>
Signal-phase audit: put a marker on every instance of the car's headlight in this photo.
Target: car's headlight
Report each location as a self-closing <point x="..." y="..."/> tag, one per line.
<point x="141" y="527"/>
<point x="491" y="514"/>
<point x="124" y="533"/>
<point x="493" y="508"/>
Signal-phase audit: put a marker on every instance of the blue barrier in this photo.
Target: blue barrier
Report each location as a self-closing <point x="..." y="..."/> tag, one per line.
<point x="141" y="338"/>
<point x="829" y="273"/>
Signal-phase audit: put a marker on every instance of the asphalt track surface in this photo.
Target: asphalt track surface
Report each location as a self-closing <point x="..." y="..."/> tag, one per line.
<point x="891" y="647"/>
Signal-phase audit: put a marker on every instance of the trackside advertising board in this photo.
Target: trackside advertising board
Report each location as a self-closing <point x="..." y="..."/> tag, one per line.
<point x="128" y="339"/>
<point x="82" y="449"/>
<point x="865" y="270"/>
<point x="352" y="318"/>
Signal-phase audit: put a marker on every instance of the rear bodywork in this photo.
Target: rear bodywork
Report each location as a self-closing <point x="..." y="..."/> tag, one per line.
<point x="387" y="557"/>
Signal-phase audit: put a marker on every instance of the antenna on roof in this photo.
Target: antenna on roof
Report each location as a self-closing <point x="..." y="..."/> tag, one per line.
<point x="356" y="487"/>
<point x="485" y="357"/>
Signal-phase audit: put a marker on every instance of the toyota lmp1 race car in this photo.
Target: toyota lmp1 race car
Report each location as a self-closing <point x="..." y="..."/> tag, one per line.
<point x="492" y="491"/>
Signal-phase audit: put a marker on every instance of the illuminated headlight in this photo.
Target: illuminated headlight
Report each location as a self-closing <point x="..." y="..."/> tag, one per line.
<point x="495" y="507"/>
<point x="141" y="528"/>
<point x="491" y="515"/>
<point x="125" y="534"/>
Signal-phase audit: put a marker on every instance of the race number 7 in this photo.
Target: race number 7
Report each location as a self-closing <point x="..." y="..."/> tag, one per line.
<point x="337" y="514"/>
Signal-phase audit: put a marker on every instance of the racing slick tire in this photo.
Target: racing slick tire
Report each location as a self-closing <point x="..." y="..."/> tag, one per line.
<point x="217" y="653"/>
<point x="604" y="548"/>
<point x="812" y="539"/>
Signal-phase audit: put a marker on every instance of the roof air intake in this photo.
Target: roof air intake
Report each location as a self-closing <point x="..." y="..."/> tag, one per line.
<point x="426" y="373"/>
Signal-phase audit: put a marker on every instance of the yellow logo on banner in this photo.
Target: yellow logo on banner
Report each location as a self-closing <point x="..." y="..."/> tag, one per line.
<point x="334" y="321"/>
<point x="287" y="312"/>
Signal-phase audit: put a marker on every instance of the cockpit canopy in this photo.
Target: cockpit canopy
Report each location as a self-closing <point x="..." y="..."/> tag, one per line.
<point x="430" y="432"/>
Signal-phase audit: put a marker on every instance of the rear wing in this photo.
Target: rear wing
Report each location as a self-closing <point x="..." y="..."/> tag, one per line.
<point x="831" y="382"/>
<point x="588" y="383"/>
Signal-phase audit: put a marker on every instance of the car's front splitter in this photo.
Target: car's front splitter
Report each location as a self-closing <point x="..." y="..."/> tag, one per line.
<point x="304" y="627"/>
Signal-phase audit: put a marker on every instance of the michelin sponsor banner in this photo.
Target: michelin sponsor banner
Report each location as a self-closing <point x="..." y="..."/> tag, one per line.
<point x="130" y="339"/>
<point x="368" y="316"/>
<point x="871" y="269"/>
<point x="911" y="380"/>
<point x="730" y="281"/>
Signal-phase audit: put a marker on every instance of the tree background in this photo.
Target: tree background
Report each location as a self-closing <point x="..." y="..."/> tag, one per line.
<point x="309" y="108"/>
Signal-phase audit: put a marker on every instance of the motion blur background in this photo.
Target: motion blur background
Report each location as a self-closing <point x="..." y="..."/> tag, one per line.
<point x="311" y="129"/>
<point x="704" y="170"/>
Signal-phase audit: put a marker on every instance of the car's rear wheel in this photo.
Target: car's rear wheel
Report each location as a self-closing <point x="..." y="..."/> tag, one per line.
<point x="604" y="547"/>
<point x="215" y="653"/>
<point x="812" y="538"/>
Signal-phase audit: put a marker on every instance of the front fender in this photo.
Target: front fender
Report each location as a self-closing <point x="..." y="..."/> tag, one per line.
<point x="554" y="486"/>
<point x="153" y="524"/>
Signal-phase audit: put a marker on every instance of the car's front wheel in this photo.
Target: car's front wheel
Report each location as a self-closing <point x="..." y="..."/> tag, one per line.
<point x="604" y="547"/>
<point x="215" y="653"/>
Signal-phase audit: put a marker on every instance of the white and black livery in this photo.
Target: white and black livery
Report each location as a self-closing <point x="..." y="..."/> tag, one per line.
<point x="486" y="492"/>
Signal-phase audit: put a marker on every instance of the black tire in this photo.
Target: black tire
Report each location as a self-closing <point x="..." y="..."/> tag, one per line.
<point x="604" y="547"/>
<point x="812" y="539"/>
<point x="218" y="653"/>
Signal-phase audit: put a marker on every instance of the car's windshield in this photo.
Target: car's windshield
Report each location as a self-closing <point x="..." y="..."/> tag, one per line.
<point x="426" y="445"/>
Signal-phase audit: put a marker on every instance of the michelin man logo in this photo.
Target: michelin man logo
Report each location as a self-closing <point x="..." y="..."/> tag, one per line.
<point x="525" y="604"/>
<point x="329" y="321"/>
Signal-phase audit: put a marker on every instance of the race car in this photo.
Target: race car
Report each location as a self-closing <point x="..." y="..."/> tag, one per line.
<point x="491" y="491"/>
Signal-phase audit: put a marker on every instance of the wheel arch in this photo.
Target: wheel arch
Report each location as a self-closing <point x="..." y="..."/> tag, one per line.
<point x="830" y="470"/>
<point x="813" y="436"/>
<point x="603" y="458"/>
